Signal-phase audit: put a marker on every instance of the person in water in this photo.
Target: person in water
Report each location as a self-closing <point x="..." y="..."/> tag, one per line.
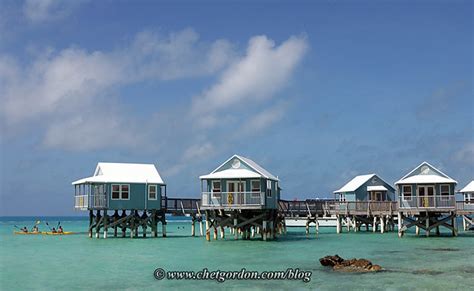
<point x="24" y="229"/>
<point x="54" y="230"/>
<point x="60" y="229"/>
<point x="35" y="229"/>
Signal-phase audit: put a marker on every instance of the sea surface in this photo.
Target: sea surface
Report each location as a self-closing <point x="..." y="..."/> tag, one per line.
<point x="76" y="262"/>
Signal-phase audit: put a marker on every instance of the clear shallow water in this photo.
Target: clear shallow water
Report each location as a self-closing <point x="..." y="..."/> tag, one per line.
<point x="77" y="262"/>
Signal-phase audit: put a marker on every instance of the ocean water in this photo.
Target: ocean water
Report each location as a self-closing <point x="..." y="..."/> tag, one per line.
<point x="78" y="262"/>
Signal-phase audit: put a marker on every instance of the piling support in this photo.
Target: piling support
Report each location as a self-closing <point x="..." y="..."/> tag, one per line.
<point x="106" y="220"/>
<point x="193" y="225"/>
<point x="91" y="220"/>
<point x="427" y="225"/>
<point x="264" y="230"/>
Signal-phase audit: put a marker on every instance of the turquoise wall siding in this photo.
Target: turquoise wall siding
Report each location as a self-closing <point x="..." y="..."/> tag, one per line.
<point x="437" y="188"/>
<point x="270" y="203"/>
<point x="138" y="198"/>
<point x="363" y="195"/>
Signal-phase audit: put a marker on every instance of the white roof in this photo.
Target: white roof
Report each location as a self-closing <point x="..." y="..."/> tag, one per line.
<point x="260" y="172"/>
<point x="425" y="179"/>
<point x="376" y="188"/>
<point x="123" y="173"/>
<point x="469" y="187"/>
<point x="355" y="183"/>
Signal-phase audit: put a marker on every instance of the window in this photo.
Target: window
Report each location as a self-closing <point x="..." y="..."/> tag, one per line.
<point x="342" y="197"/>
<point x="152" y="192"/>
<point x="406" y="193"/>
<point x="469" y="198"/>
<point x="216" y="189"/>
<point x="120" y="192"/>
<point x="444" y="192"/>
<point x="216" y="186"/>
<point x="115" y="192"/>
<point x="269" y="189"/>
<point x="256" y="186"/>
<point x="124" y="191"/>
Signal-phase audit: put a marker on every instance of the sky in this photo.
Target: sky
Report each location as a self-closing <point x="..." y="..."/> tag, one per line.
<point x="314" y="91"/>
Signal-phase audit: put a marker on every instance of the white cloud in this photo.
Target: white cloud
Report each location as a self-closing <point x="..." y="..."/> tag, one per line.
<point x="57" y="87"/>
<point x="38" y="11"/>
<point x="70" y="95"/>
<point x="257" y="76"/>
<point x="264" y="119"/>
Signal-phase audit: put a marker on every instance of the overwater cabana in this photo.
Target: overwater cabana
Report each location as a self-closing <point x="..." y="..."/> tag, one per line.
<point x="465" y="208"/>
<point x="122" y="187"/>
<point x="426" y="200"/>
<point x="240" y="194"/>
<point x="366" y="199"/>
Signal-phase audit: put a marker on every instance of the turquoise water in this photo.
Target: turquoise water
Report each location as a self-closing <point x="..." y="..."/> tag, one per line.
<point x="78" y="262"/>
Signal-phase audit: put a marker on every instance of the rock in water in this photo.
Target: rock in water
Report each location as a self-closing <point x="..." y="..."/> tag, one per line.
<point x="331" y="261"/>
<point x="352" y="266"/>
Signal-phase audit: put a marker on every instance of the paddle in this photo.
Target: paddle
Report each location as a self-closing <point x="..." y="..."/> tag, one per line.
<point x="48" y="226"/>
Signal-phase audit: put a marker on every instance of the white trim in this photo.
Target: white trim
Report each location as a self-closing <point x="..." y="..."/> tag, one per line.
<point x="444" y="197"/>
<point x="259" y="184"/>
<point x="400" y="181"/>
<point x="425" y="186"/>
<point x="156" y="191"/>
<point x="269" y="187"/>
<point x="120" y="191"/>
<point x="403" y="193"/>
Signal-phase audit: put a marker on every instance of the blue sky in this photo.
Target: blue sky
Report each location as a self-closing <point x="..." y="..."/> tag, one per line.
<point x="316" y="92"/>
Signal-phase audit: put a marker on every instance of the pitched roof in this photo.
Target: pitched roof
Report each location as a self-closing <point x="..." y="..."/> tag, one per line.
<point x="260" y="172"/>
<point x="123" y="173"/>
<point x="425" y="178"/>
<point x="468" y="188"/>
<point x="355" y="183"/>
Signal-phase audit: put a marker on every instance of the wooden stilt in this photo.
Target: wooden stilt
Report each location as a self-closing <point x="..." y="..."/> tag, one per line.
<point x="97" y="227"/>
<point x="208" y="231"/>
<point x="222" y="232"/>
<point x="91" y="220"/>
<point x="106" y="219"/>
<point x="236" y="233"/>
<point x="307" y="226"/>
<point x="264" y="230"/>
<point x="163" y="227"/>
<point x="382" y="224"/>
<point x="215" y="233"/>
<point x="338" y="224"/>
<point x="417" y="230"/>
<point x="455" y="232"/>
<point x="193" y="225"/>
<point x="200" y="227"/>
<point x="374" y="225"/>
<point x="427" y="223"/>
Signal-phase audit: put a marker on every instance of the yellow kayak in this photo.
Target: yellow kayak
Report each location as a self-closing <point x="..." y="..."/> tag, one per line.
<point x="57" y="233"/>
<point x="32" y="233"/>
<point x="44" y="233"/>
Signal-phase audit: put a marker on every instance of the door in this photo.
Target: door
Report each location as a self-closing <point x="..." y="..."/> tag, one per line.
<point x="376" y="196"/>
<point x="235" y="191"/>
<point x="426" y="196"/>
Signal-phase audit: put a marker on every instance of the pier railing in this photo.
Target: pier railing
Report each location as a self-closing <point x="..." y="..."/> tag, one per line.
<point x="182" y="206"/>
<point x="85" y="202"/>
<point x="425" y="202"/>
<point x="365" y="207"/>
<point x="233" y="199"/>
<point x="305" y="208"/>
<point x="464" y="206"/>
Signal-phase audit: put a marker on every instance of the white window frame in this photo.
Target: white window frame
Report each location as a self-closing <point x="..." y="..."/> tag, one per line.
<point x="342" y="197"/>
<point x="254" y="193"/>
<point x="469" y="198"/>
<point x="218" y="194"/>
<point x="444" y="197"/>
<point x="403" y="193"/>
<point x="269" y="193"/>
<point x="156" y="192"/>
<point x="120" y="191"/>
